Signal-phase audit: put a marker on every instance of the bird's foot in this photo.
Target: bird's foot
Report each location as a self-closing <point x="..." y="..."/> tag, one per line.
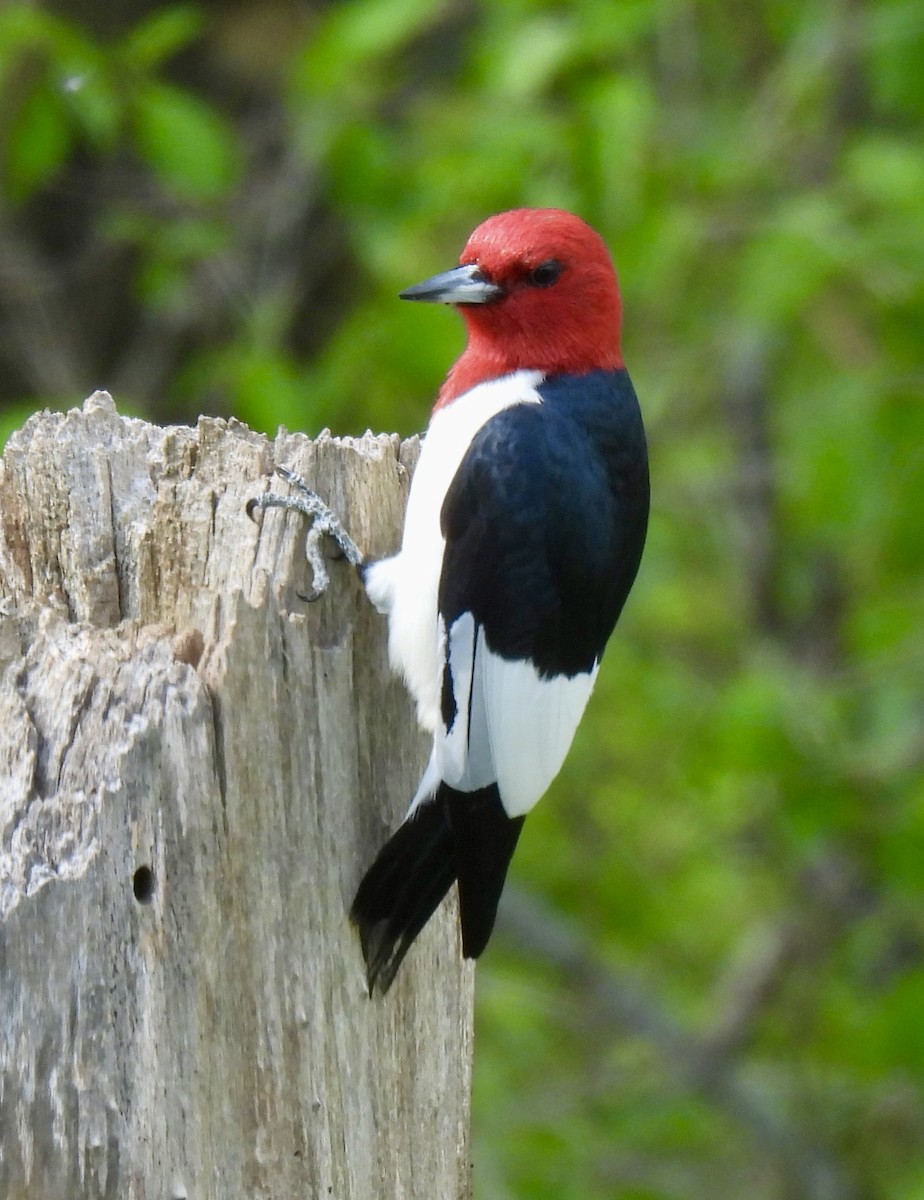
<point x="324" y="522"/>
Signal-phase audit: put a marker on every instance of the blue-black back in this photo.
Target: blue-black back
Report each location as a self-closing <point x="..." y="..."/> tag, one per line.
<point x="545" y="522"/>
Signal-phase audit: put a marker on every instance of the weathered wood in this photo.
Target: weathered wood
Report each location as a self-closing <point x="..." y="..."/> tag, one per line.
<point x="195" y="767"/>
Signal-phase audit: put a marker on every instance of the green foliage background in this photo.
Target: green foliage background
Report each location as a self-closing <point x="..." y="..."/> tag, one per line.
<point x="709" y="982"/>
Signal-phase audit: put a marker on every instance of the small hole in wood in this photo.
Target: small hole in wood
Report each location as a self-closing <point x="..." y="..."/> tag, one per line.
<point x="143" y="885"/>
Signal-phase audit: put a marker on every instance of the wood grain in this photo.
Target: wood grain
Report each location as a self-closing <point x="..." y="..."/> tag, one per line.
<point x="195" y="768"/>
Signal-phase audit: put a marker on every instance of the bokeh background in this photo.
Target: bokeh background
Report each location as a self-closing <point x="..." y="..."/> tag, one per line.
<point x="708" y="980"/>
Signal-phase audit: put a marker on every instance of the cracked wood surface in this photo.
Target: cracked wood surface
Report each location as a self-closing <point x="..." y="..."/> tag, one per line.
<point x="195" y="768"/>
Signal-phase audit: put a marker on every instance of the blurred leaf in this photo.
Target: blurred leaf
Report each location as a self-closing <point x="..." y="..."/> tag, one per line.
<point x="163" y="285"/>
<point x="39" y="140"/>
<point x="161" y="35"/>
<point x="527" y="64"/>
<point x="26" y="27"/>
<point x="888" y="171"/>
<point x="22" y="27"/>
<point x="97" y="108"/>
<point x="896" y="44"/>
<point x="75" y="96"/>
<point x="353" y="36"/>
<point x="185" y="142"/>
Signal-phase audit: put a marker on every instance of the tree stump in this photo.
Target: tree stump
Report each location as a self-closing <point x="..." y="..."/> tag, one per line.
<point x="195" y="768"/>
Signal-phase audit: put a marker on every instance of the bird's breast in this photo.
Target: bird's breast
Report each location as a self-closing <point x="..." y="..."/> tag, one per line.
<point x="411" y="578"/>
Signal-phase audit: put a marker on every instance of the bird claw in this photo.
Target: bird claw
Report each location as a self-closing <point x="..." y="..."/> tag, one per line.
<point x="324" y="522"/>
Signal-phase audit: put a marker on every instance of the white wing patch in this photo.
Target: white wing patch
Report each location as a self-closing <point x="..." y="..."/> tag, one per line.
<point x="510" y="725"/>
<point x="463" y="751"/>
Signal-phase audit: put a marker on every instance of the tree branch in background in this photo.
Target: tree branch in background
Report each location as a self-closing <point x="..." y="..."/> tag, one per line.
<point x="621" y="1005"/>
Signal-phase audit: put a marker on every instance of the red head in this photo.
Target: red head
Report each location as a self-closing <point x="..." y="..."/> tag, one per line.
<point x="537" y="290"/>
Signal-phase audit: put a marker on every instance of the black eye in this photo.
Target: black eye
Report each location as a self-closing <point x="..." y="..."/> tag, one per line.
<point x="545" y="274"/>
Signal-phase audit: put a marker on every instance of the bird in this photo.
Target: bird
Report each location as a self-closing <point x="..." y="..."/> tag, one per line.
<point x="523" y="534"/>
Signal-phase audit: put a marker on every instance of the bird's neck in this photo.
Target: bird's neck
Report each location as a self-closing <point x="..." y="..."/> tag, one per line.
<point x="468" y="371"/>
<point x="483" y="360"/>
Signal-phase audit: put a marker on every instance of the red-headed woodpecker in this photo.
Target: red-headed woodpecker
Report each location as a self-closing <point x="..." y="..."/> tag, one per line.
<point x="523" y="535"/>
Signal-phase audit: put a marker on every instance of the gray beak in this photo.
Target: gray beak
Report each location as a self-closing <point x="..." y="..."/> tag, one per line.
<point x="461" y="285"/>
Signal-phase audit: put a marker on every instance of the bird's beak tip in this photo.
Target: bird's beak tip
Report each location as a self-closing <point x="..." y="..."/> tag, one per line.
<point x="461" y="285"/>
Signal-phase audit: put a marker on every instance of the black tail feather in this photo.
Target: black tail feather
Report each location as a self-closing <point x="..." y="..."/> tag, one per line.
<point x="401" y="890"/>
<point x="485" y="839"/>
<point x="464" y="835"/>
